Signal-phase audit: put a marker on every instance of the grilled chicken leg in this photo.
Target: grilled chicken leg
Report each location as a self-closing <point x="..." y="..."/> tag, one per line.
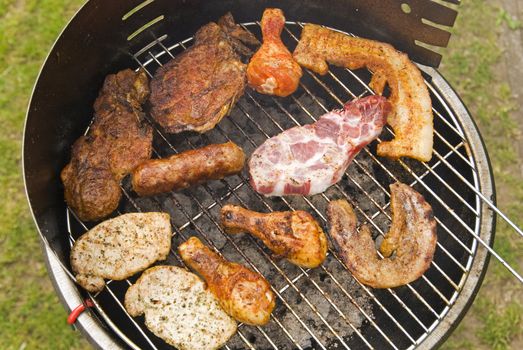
<point x="294" y="235"/>
<point x="272" y="70"/>
<point x="242" y="293"/>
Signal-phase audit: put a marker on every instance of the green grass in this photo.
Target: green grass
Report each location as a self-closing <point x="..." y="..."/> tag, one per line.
<point x="31" y="316"/>
<point x="470" y="64"/>
<point x="500" y="327"/>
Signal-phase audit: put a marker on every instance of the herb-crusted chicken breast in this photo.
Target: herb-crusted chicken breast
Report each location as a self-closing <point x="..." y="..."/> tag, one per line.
<point x="179" y="309"/>
<point x="119" y="248"/>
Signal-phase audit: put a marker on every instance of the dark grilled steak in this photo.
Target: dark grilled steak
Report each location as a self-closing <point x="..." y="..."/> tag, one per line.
<point x="116" y="143"/>
<point x="197" y="88"/>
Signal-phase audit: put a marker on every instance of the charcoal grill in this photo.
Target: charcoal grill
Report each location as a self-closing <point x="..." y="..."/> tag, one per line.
<point x="323" y="308"/>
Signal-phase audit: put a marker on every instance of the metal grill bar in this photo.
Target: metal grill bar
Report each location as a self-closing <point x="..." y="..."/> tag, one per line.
<point x="154" y="57"/>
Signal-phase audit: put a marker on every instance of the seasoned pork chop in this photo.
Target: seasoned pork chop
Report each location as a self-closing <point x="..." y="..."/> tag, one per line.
<point x="197" y="88"/>
<point x="306" y="160"/>
<point x="117" y="141"/>
<point x="120" y="247"/>
<point x="179" y="309"/>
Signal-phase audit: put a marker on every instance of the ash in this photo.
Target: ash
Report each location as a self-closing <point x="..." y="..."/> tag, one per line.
<point x="343" y="312"/>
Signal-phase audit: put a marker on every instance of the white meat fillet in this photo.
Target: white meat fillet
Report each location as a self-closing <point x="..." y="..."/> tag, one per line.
<point x="306" y="160"/>
<point x="179" y="309"/>
<point x="120" y="247"/>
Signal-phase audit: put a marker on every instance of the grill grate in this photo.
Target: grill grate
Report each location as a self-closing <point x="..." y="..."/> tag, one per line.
<point x="325" y="307"/>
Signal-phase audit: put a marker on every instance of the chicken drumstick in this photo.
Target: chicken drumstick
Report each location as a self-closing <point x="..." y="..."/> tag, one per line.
<point x="272" y="70"/>
<point x="242" y="293"/>
<point x="294" y="235"/>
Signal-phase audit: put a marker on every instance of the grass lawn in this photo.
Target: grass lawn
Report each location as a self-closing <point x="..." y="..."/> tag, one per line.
<point x="31" y="315"/>
<point x="472" y="65"/>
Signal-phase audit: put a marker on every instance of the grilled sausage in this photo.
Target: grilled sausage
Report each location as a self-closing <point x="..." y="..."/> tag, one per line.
<point x="188" y="168"/>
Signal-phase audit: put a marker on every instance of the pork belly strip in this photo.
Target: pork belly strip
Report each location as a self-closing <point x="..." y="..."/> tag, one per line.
<point x="411" y="115"/>
<point x="187" y="169"/>
<point x="116" y="143"/>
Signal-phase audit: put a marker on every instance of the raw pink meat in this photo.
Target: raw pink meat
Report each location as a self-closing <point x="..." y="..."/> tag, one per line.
<point x="306" y="160"/>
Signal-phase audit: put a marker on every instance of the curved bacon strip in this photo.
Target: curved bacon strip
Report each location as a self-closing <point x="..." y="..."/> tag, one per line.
<point x="412" y="236"/>
<point x="411" y="116"/>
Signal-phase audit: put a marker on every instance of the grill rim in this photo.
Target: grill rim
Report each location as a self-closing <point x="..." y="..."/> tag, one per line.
<point x="70" y="296"/>
<point x="481" y="259"/>
<point x="85" y="323"/>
